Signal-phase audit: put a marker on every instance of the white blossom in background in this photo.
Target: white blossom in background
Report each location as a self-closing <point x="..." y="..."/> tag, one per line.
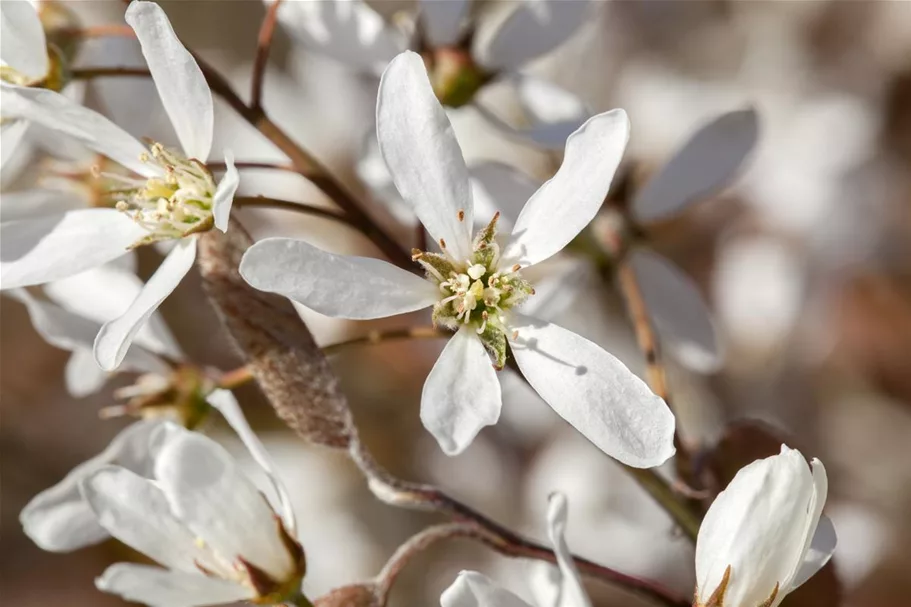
<point x="462" y="55"/>
<point x="765" y="534"/>
<point x="474" y="285"/>
<point x="173" y="197"/>
<point x="553" y="587"/>
<point x="204" y="521"/>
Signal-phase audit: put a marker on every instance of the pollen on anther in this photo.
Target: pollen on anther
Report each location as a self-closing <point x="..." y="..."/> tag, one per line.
<point x="461" y="214"/>
<point x="442" y="243"/>
<point x="516" y="268"/>
<point x="515" y="335"/>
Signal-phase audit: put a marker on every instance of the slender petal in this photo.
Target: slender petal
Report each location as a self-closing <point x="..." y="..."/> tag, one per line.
<point x="29" y="204"/>
<point x="115" y="336"/>
<point x="227" y="405"/>
<point x="40" y="250"/>
<point x="58" y="519"/>
<point x="421" y="151"/>
<point x="180" y="83"/>
<point x="68" y="331"/>
<point x="461" y="394"/>
<point x="335" y="285"/>
<point x="571" y="591"/>
<point x="12" y="133"/>
<point x="758" y="527"/>
<point x="106" y="292"/>
<point x="82" y="375"/>
<point x="707" y="162"/>
<point x="158" y="587"/>
<point x="22" y="44"/>
<point x="67" y="117"/>
<point x="595" y="393"/>
<point x="224" y="193"/>
<point x="820" y="551"/>
<point x="135" y="511"/>
<point x="442" y="20"/>
<point x="220" y="504"/>
<point x="682" y="319"/>
<point x="532" y="29"/>
<point x="564" y="205"/>
<point x="499" y="187"/>
<point x="349" y="31"/>
<point x="471" y="589"/>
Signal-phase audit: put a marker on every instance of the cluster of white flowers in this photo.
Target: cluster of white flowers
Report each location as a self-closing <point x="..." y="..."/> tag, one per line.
<point x="175" y="495"/>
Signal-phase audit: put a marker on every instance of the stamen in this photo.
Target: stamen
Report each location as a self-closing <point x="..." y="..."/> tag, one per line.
<point x="461" y="215"/>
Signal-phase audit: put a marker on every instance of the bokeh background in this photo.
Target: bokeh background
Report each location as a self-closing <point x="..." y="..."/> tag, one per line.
<point x="805" y="260"/>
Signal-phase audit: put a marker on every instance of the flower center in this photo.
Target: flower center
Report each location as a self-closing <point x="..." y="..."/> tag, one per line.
<point x="476" y="292"/>
<point x="174" y="205"/>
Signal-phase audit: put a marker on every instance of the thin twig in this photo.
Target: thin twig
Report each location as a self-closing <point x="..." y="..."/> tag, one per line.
<point x="85" y="73"/>
<point x="220" y="166"/>
<point x="264" y="202"/>
<point x="263" y="46"/>
<point x="375" y="337"/>
<point x="99" y="31"/>
<point x="397" y="492"/>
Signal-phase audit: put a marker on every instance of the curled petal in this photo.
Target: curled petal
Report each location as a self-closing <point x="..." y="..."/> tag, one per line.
<point x="471" y="589"/>
<point x="224" y="193"/>
<point x="335" y="285"/>
<point x="180" y="83"/>
<point x="571" y="592"/>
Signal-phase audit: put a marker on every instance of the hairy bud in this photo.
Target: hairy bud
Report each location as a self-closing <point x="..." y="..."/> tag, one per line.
<point x="276" y="344"/>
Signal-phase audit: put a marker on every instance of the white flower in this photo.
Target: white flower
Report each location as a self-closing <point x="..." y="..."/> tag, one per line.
<point x="202" y="519"/>
<point x="765" y="534"/>
<point x="553" y="588"/>
<point x="128" y="492"/>
<point x="475" y="285"/>
<point x="173" y="197"/>
<point x="461" y="56"/>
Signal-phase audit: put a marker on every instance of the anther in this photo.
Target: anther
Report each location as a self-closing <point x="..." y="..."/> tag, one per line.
<point x="461" y="214"/>
<point x="416" y="254"/>
<point x="515" y="268"/>
<point x="442" y="243"/>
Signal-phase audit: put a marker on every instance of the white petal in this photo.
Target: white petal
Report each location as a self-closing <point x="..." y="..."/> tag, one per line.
<point x="104" y="293"/>
<point x="227" y="405"/>
<point x="210" y="494"/>
<point x="12" y="132"/>
<point x="707" y="162"/>
<point x="29" y="204"/>
<point x="115" y="336"/>
<point x="58" y="519"/>
<point x="572" y="593"/>
<point x="36" y="251"/>
<point x="349" y="31"/>
<point x="135" y="511"/>
<point x="182" y="87"/>
<point x="757" y="526"/>
<point x="335" y="285"/>
<point x="568" y="202"/>
<point x="82" y="374"/>
<point x="534" y="28"/>
<point x="461" y="394"/>
<point x="499" y="187"/>
<point x="224" y="193"/>
<point x="62" y="115"/>
<point x="372" y="170"/>
<point x="552" y="113"/>
<point x="682" y="319"/>
<point x="22" y="44"/>
<point x="159" y="587"/>
<point x="442" y="20"/>
<point x="821" y="549"/>
<point x="471" y="589"/>
<point x="421" y="151"/>
<point x="594" y="392"/>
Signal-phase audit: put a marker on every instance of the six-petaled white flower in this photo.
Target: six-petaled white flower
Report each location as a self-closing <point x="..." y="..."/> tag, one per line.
<point x="475" y="285"/>
<point x="172" y="197"/>
<point x="462" y="54"/>
<point x="765" y="534"/>
<point x="561" y="587"/>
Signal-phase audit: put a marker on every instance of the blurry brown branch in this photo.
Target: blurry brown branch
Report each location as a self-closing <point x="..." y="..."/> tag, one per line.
<point x="99" y="31"/>
<point x="289" y="205"/>
<point x="263" y="46"/>
<point x="375" y="337"/>
<point x="220" y="166"/>
<point x="471" y="523"/>
<point x="85" y="73"/>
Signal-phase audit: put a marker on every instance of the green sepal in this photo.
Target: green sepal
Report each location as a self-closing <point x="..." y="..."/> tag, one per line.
<point x="494" y="340"/>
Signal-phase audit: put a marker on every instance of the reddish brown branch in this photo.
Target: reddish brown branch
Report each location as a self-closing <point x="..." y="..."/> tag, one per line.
<point x="263" y="47"/>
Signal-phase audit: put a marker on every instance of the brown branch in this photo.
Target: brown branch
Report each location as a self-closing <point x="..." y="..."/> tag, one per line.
<point x="397" y="492"/>
<point x="375" y="337"/>
<point x="263" y="46"/>
<point x="85" y="73"/>
<point x="220" y="166"/>
<point x="264" y="202"/>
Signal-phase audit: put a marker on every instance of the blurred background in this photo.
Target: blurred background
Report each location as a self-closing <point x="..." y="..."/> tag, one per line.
<point x="805" y="261"/>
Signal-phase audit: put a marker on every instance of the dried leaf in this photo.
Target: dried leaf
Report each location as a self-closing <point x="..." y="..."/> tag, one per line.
<point x="288" y="365"/>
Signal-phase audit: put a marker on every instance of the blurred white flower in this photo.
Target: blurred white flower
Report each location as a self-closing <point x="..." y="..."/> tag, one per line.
<point x="203" y="520"/>
<point x="63" y="518"/>
<point x="765" y="534"/>
<point x="175" y="196"/>
<point x="553" y="587"/>
<point x="461" y="56"/>
<point x="473" y="286"/>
